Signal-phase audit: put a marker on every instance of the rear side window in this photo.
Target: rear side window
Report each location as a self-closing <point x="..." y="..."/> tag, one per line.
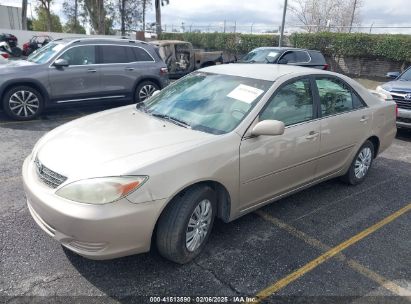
<point x="336" y="97"/>
<point x="317" y="58"/>
<point x="114" y="54"/>
<point x="296" y="57"/>
<point x="141" y="54"/>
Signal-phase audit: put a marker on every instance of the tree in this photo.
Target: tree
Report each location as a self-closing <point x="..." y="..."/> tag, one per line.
<point x="46" y="5"/>
<point x="41" y="23"/>
<point x="158" y="4"/>
<point x="145" y="4"/>
<point x="320" y="15"/>
<point x="74" y="11"/>
<point x="100" y="14"/>
<point x="24" y="14"/>
<point x="130" y="14"/>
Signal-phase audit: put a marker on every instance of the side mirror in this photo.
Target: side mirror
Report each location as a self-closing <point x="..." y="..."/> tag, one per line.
<point x="283" y="61"/>
<point x="268" y="127"/>
<point x="393" y="75"/>
<point x="60" y="63"/>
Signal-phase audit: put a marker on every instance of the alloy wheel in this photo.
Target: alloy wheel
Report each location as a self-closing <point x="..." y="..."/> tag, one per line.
<point x="146" y="92"/>
<point x="363" y="162"/>
<point x="24" y="103"/>
<point x="198" y="225"/>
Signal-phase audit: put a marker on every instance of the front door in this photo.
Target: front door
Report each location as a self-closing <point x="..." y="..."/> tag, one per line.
<point x="273" y="165"/>
<point x="80" y="80"/>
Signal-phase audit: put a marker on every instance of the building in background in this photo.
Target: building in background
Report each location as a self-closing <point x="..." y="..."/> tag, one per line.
<point x="10" y="17"/>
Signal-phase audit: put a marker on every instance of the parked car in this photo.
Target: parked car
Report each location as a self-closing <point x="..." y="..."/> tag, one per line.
<point x="73" y="71"/>
<point x="35" y="43"/>
<point x="400" y="90"/>
<point x="4" y="57"/>
<point x="107" y="184"/>
<point x="181" y="58"/>
<point x="286" y="55"/>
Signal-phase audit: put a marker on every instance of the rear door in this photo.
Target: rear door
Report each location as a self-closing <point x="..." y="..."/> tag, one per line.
<point x="345" y="123"/>
<point x="117" y="71"/>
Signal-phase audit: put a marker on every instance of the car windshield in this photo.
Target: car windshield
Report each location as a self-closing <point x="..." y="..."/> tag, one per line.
<point x="261" y="56"/>
<point x="407" y="75"/>
<point x="45" y="53"/>
<point x="211" y="103"/>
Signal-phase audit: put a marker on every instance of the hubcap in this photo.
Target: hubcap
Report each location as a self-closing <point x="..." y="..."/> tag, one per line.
<point x="198" y="225"/>
<point x="146" y="92"/>
<point x="24" y="103"/>
<point x="363" y="162"/>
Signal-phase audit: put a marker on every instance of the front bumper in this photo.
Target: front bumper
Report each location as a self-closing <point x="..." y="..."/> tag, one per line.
<point x="404" y="118"/>
<point x="93" y="231"/>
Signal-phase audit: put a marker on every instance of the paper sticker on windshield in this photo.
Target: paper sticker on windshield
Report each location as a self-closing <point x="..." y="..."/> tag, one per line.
<point x="272" y="54"/>
<point x="245" y="93"/>
<point x="58" y="47"/>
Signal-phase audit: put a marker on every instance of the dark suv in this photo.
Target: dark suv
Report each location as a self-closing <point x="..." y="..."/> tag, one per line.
<point x="72" y="71"/>
<point x="286" y="55"/>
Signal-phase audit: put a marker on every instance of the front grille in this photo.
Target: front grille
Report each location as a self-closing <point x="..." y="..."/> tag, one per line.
<point x="47" y="176"/>
<point x="402" y="102"/>
<point x="402" y="119"/>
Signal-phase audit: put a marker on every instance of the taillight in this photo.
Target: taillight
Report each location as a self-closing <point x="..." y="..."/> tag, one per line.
<point x="5" y="55"/>
<point x="163" y="71"/>
<point x="325" y="67"/>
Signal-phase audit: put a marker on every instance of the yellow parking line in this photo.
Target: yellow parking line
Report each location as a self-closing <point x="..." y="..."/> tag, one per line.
<point x="266" y="292"/>
<point x="39" y="120"/>
<point x="361" y="269"/>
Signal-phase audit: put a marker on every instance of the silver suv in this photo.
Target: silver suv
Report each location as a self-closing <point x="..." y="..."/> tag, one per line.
<point x="81" y="70"/>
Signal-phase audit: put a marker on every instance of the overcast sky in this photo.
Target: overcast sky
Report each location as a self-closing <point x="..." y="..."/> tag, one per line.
<point x="261" y="12"/>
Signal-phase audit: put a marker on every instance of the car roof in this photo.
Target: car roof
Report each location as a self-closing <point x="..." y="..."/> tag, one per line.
<point x="165" y="42"/>
<point x="99" y="40"/>
<point x="284" y="49"/>
<point x="270" y="72"/>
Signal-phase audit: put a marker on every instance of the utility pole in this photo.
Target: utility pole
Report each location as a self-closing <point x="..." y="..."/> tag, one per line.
<point x="353" y="14"/>
<point x="280" y="43"/>
<point x="158" y="16"/>
<point x="252" y="24"/>
<point x="224" y="26"/>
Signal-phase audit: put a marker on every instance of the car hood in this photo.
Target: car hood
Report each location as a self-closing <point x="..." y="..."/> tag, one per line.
<point x="397" y="85"/>
<point x="15" y="65"/>
<point x="113" y="142"/>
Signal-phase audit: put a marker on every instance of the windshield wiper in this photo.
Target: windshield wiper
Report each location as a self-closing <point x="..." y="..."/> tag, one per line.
<point x="173" y="120"/>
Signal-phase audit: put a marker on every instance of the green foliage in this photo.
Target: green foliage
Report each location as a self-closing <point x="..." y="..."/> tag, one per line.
<point x="392" y="47"/>
<point x="71" y="27"/>
<point x="40" y="24"/>
<point x="229" y="42"/>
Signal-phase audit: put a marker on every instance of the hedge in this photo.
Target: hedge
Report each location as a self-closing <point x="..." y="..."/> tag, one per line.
<point x="392" y="47"/>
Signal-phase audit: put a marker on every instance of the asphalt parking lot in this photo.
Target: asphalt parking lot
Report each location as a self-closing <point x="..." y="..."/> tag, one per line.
<point x="331" y="244"/>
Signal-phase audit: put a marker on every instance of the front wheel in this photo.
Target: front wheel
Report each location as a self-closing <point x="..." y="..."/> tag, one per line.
<point x="144" y="90"/>
<point x="184" y="227"/>
<point x="361" y="165"/>
<point x="23" y="103"/>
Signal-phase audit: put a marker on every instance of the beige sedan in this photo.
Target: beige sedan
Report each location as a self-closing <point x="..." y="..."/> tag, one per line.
<point x="219" y="143"/>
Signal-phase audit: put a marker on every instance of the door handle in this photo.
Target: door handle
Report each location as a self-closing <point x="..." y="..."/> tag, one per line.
<point x="129" y="69"/>
<point x="312" y="135"/>
<point x="364" y="118"/>
<point x="91" y="71"/>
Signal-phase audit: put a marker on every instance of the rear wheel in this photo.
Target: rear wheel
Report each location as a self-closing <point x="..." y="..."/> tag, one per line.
<point x="361" y="165"/>
<point x="23" y="103"/>
<point x="184" y="227"/>
<point x="144" y="90"/>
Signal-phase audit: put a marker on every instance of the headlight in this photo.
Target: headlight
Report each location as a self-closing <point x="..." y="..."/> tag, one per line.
<point x="102" y="190"/>
<point x="384" y="94"/>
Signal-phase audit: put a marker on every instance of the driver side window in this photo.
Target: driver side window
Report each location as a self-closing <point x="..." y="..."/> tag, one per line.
<point x="81" y="55"/>
<point x="291" y="104"/>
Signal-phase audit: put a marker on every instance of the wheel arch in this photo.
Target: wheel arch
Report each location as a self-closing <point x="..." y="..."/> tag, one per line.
<point x="24" y="82"/>
<point x="376" y="143"/>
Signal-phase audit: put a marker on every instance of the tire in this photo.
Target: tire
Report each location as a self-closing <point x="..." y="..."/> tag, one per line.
<point x="361" y="165"/>
<point x="176" y="236"/>
<point x="144" y="90"/>
<point x="23" y="103"/>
